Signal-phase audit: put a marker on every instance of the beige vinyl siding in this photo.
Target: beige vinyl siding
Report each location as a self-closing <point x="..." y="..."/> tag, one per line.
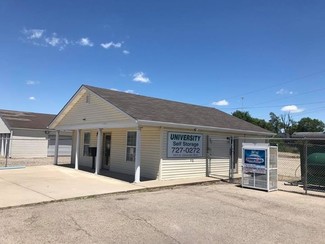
<point x="176" y="168"/>
<point x="150" y="156"/>
<point x="28" y="144"/>
<point x="3" y="127"/>
<point x="118" y="152"/>
<point x="218" y="165"/>
<point x="85" y="160"/>
<point x="150" y="152"/>
<point x="96" y="111"/>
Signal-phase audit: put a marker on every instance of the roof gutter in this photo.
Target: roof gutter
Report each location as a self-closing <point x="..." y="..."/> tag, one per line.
<point x="200" y="127"/>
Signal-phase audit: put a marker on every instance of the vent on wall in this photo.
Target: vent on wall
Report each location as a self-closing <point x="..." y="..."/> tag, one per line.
<point x="87" y="98"/>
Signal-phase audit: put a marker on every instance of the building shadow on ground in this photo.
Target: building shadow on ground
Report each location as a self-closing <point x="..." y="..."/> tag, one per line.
<point x="108" y="173"/>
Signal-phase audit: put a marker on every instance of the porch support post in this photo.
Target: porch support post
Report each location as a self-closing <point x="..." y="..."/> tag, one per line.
<point x="6" y="146"/>
<point x="99" y="150"/>
<point x="2" y="145"/>
<point x="56" y="149"/>
<point x="137" y="157"/>
<point x="11" y="137"/>
<point x="76" y="159"/>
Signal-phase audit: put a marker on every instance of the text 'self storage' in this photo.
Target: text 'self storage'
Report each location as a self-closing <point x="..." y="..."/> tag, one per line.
<point x="260" y="166"/>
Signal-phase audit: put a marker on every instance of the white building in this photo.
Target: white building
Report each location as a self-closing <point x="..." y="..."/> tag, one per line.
<point x="26" y="135"/>
<point x="148" y="137"/>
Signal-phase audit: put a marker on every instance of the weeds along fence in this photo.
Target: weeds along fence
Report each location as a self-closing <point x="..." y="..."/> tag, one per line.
<point x="301" y="163"/>
<point x="15" y="152"/>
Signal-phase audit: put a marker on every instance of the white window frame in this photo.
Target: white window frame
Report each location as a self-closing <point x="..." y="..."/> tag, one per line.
<point x="130" y="146"/>
<point x="85" y="153"/>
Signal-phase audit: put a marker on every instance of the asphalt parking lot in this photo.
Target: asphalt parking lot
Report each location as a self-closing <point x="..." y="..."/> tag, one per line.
<point x="214" y="213"/>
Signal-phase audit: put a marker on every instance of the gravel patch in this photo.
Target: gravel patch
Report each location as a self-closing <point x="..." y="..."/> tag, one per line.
<point x="32" y="161"/>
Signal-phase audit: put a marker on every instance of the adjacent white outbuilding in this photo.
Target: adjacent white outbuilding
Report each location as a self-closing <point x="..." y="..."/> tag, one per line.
<point x="148" y="137"/>
<point x="26" y="135"/>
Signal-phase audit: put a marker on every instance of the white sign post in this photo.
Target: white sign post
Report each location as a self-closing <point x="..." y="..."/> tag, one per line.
<point x="184" y="145"/>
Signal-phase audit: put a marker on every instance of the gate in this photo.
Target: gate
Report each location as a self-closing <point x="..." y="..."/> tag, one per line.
<point x="219" y="157"/>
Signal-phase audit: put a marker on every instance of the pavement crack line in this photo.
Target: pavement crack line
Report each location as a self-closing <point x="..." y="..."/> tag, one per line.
<point x="139" y="218"/>
<point x="79" y="227"/>
<point x="14" y="183"/>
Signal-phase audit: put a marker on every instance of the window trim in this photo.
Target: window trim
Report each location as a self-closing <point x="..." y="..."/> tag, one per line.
<point x="86" y="153"/>
<point x="128" y="146"/>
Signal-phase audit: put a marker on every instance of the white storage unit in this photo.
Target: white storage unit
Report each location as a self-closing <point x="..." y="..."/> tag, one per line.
<point x="260" y="166"/>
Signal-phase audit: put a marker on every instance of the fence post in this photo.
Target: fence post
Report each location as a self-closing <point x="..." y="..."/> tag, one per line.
<point x="305" y="165"/>
<point x="207" y="174"/>
<point x="232" y="160"/>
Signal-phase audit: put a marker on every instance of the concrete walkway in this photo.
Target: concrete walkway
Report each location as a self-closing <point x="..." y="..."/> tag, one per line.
<point x="51" y="183"/>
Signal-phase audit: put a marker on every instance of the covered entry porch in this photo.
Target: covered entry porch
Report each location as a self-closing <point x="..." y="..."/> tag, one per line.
<point x="101" y="150"/>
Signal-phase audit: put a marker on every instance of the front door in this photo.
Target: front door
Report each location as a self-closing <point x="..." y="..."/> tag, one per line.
<point x="106" y="151"/>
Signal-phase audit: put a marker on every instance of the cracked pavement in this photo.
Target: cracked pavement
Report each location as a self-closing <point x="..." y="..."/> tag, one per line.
<point x="216" y="213"/>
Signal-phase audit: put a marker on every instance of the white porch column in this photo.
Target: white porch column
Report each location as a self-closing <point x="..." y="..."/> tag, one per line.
<point x="137" y="157"/>
<point x="11" y="136"/>
<point x="56" y="149"/>
<point x="2" y="145"/>
<point x="6" y="152"/>
<point x="76" y="159"/>
<point x="99" y="150"/>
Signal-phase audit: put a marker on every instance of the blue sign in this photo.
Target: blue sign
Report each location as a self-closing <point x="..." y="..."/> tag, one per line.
<point x="255" y="160"/>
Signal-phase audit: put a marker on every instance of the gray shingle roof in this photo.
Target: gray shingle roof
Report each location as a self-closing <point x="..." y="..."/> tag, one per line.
<point x="25" y="120"/>
<point x="160" y="110"/>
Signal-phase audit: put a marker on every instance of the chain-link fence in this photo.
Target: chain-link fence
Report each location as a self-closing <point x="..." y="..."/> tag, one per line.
<point x="300" y="165"/>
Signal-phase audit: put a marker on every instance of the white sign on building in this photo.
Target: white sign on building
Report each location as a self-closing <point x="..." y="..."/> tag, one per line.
<point x="184" y="145"/>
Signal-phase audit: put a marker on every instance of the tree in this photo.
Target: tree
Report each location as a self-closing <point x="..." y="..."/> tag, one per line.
<point x="288" y="125"/>
<point x="310" y="125"/>
<point x="275" y="123"/>
<point x="244" y="115"/>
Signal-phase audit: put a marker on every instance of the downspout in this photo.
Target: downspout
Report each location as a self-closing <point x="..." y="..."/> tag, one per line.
<point x="137" y="157"/>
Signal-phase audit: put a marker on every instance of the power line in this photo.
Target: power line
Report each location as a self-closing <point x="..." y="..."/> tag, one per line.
<point x="279" y="84"/>
<point x="273" y="106"/>
<point x="303" y="93"/>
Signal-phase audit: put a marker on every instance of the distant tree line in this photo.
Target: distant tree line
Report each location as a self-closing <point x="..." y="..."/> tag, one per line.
<point x="283" y="124"/>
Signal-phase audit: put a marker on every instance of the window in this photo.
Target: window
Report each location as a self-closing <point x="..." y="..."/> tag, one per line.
<point x="131" y="145"/>
<point x="86" y="143"/>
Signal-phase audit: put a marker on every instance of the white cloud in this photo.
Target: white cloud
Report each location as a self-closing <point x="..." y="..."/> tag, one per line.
<point x="111" y="44"/>
<point x="55" y="41"/>
<point x="32" y="82"/>
<point x="292" y="109"/>
<point x="32" y="98"/>
<point x="283" y="91"/>
<point x="126" y="52"/>
<point x="33" y="33"/>
<point x="130" y="91"/>
<point x="85" y="42"/>
<point x="141" y="77"/>
<point x="221" y="103"/>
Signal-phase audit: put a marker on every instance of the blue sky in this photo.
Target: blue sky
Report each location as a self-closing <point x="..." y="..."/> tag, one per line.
<point x="259" y="56"/>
